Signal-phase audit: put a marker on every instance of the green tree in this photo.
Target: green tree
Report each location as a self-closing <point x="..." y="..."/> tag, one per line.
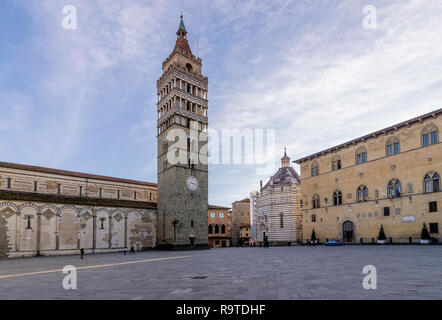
<point x="381" y="235"/>
<point x="313" y="235"/>
<point x="425" y="235"/>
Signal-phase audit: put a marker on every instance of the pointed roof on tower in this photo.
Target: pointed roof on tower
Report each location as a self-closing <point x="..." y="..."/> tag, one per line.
<point x="182" y="45"/>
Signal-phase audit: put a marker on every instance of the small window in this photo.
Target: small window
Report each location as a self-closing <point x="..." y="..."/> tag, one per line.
<point x="9" y="183"/>
<point x="35" y="186"/>
<point x="393" y="149"/>
<point x="434" y="227"/>
<point x="337" y="198"/>
<point x="386" y="211"/>
<point x="80" y="191"/>
<point x="361" y="155"/>
<point x="118" y="194"/>
<point x="362" y="193"/>
<point x="281" y="220"/>
<point x="315" y="169"/>
<point x="221" y="215"/>
<point x="59" y="188"/>
<point x="433" y="206"/>
<point x="394" y="189"/>
<point x="101" y="192"/>
<point x="191" y="223"/>
<point x="213" y="215"/>
<point x="426" y="140"/>
<point x="316" y="202"/>
<point x="313" y="218"/>
<point x="28" y="222"/>
<point x="102" y="223"/>
<point x="150" y="196"/>
<point x="135" y="195"/>
<point x="434" y="137"/>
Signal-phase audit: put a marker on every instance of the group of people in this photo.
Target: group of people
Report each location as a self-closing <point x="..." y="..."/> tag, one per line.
<point x="131" y="251"/>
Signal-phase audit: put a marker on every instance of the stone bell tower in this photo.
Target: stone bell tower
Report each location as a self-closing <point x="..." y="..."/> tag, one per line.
<point x="182" y="150"/>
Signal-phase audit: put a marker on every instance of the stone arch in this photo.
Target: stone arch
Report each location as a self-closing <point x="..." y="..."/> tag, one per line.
<point x="46" y="207"/>
<point x="26" y="205"/>
<point x="429" y="128"/>
<point x="87" y="209"/>
<point x="60" y="210"/>
<point x="392" y="140"/>
<point x="9" y="204"/>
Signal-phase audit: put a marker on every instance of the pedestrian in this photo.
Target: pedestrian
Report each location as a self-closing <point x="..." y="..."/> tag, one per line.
<point x="82" y="253"/>
<point x="132" y="250"/>
<point x="124" y="250"/>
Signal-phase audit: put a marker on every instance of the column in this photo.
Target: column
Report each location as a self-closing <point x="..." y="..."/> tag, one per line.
<point x="38" y="232"/>
<point x="125" y="231"/>
<point x="110" y="232"/>
<point x="94" y="231"/>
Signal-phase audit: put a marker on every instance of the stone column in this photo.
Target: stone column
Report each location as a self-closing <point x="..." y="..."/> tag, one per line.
<point x="125" y="231"/>
<point x="94" y="231"/>
<point x="38" y="232"/>
<point x="110" y="233"/>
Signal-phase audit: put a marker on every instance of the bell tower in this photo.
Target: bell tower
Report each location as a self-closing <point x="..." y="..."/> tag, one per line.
<point x="182" y="150"/>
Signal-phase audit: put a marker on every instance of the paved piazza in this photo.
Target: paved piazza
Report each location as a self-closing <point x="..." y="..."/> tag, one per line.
<point x="404" y="272"/>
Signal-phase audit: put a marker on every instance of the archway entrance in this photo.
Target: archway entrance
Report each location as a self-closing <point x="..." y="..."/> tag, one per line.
<point x="348" y="231"/>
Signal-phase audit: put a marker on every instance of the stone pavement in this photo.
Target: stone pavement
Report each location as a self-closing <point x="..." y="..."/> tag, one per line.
<point x="403" y="272"/>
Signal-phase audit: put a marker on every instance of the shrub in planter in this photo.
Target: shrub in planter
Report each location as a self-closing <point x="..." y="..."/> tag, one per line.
<point x="381" y="237"/>
<point x="425" y="235"/>
<point x="313" y="236"/>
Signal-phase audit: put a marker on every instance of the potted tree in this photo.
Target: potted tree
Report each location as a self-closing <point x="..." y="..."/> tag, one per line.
<point x="425" y="235"/>
<point x="381" y="237"/>
<point x="314" y="241"/>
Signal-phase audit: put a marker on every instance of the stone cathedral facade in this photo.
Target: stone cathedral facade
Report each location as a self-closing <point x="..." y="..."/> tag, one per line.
<point x="47" y="211"/>
<point x="182" y="149"/>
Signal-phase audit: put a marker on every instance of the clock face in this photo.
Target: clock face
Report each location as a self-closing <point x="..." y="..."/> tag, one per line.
<point x="192" y="183"/>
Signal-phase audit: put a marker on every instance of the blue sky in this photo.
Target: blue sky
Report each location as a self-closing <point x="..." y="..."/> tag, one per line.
<point x="85" y="100"/>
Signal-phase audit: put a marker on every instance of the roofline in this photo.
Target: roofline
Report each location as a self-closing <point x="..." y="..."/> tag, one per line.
<point x="217" y="207"/>
<point x="395" y="127"/>
<point x="18" y="166"/>
<point x="243" y="200"/>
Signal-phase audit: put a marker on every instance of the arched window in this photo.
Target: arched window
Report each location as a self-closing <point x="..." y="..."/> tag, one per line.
<point x="361" y="155"/>
<point x="394" y="189"/>
<point x="430" y="135"/>
<point x="316" y="202"/>
<point x="432" y="182"/>
<point x="362" y="194"/>
<point x="216" y="229"/>
<point x="223" y="229"/>
<point x="392" y="146"/>
<point x="337" y="198"/>
<point x="210" y="229"/>
<point x="315" y="169"/>
<point x="336" y="163"/>
<point x="281" y="220"/>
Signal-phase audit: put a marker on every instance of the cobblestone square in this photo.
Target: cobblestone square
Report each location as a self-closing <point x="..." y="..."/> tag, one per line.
<point x="403" y="272"/>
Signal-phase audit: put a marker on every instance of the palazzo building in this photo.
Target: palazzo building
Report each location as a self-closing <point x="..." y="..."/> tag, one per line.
<point x="49" y="212"/>
<point x="240" y="219"/>
<point x="390" y="177"/>
<point x="220" y="219"/>
<point x="278" y="212"/>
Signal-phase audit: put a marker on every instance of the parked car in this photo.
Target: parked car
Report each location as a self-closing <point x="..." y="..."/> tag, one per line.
<point x="334" y="242"/>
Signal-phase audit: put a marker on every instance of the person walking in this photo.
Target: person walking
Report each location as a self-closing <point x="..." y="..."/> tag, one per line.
<point x="82" y="253"/>
<point x="132" y="250"/>
<point x="124" y="250"/>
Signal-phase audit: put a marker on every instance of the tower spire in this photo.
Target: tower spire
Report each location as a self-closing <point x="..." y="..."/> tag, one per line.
<point x="182" y="32"/>
<point x="285" y="160"/>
